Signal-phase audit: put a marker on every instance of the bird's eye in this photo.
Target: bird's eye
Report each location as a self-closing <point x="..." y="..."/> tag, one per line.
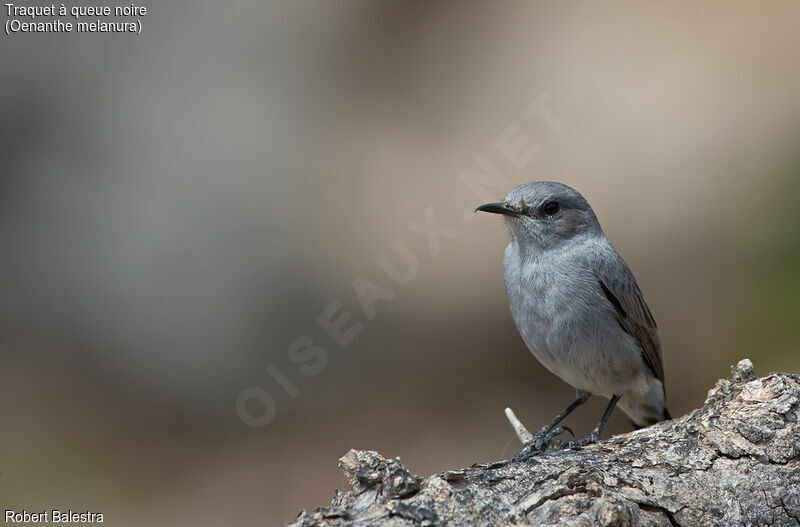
<point x="550" y="208"/>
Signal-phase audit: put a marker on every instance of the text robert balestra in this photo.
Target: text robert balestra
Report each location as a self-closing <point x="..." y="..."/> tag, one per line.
<point x="52" y="516"/>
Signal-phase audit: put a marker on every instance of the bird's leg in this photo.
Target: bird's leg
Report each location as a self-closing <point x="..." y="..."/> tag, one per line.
<point x="595" y="434"/>
<point x="542" y="438"/>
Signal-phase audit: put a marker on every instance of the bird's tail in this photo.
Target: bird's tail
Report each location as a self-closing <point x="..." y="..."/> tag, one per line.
<point x="650" y="421"/>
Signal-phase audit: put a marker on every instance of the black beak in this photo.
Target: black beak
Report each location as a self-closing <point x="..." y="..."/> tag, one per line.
<point x="498" y="208"/>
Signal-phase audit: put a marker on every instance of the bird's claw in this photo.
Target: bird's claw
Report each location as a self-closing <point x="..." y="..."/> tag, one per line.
<point x="543" y="440"/>
<point x="588" y="440"/>
<point x="562" y="430"/>
<point x="527" y="451"/>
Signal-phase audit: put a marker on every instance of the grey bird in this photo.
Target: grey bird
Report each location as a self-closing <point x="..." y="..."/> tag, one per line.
<point x="579" y="309"/>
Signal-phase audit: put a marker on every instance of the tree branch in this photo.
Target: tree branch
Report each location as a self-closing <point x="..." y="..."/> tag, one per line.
<point x="735" y="461"/>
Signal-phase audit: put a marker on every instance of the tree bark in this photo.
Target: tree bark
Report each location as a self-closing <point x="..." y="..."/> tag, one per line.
<point x="735" y="461"/>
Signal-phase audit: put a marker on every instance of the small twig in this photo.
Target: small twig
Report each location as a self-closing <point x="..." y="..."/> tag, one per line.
<point x="522" y="433"/>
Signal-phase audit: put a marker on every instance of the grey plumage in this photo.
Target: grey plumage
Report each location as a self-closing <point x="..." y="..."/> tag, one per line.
<point x="577" y="305"/>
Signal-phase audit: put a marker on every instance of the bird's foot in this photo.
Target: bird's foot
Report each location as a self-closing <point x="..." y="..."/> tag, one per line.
<point x="588" y="440"/>
<point x="541" y="442"/>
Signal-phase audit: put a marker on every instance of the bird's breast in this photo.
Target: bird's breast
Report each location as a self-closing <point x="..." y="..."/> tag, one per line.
<point x="553" y="304"/>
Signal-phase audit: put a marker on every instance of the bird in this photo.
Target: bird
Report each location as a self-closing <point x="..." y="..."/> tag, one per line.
<point x="579" y="309"/>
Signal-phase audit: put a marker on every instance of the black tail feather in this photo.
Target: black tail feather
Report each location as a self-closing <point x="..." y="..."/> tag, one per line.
<point x="634" y="425"/>
<point x="637" y="426"/>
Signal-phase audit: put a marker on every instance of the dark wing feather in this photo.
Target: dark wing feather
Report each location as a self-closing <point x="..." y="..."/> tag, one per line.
<point x="634" y="316"/>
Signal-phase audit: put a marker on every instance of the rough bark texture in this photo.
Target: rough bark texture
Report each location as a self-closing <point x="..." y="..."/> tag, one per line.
<point x="735" y="461"/>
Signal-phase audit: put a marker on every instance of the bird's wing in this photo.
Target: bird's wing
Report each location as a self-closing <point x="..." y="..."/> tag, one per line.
<point x="631" y="311"/>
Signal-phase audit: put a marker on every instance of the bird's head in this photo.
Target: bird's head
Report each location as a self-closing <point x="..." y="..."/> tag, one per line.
<point x="545" y="214"/>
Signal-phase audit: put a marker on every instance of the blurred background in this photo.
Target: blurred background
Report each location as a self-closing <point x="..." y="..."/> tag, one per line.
<point x="177" y="207"/>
